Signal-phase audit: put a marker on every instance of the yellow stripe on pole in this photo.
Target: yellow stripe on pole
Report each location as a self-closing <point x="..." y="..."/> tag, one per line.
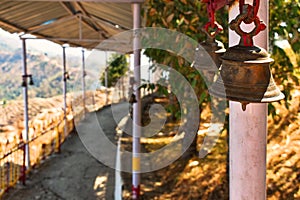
<point x="136" y="163"/>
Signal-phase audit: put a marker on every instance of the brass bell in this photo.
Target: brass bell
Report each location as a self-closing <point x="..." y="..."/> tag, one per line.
<point x="215" y="49"/>
<point x="245" y="77"/>
<point x="207" y="58"/>
<point x="132" y="99"/>
<point x="245" y="74"/>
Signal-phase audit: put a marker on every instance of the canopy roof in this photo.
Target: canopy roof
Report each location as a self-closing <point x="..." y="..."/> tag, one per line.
<point x="82" y="23"/>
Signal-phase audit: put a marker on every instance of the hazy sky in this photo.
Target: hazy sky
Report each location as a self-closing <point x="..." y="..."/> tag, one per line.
<point x="37" y="45"/>
<point x="53" y="49"/>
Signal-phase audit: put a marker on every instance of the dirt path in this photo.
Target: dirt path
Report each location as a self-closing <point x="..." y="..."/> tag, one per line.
<point x="74" y="173"/>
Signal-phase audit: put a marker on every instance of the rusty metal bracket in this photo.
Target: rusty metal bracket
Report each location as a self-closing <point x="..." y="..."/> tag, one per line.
<point x="247" y="38"/>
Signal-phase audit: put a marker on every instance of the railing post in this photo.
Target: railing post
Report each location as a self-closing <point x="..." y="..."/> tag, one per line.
<point x="83" y="82"/>
<point x="7" y="174"/>
<point x="57" y="139"/>
<point x="24" y="164"/>
<point x="105" y="79"/>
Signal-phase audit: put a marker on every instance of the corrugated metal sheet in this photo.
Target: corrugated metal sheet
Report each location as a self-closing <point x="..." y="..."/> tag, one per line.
<point x="79" y="23"/>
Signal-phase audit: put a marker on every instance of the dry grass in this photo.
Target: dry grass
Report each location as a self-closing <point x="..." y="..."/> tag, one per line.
<point x="207" y="178"/>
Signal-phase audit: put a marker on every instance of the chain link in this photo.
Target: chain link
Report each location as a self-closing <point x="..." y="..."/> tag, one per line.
<point x="248" y="15"/>
<point x="252" y="10"/>
<point x="212" y="6"/>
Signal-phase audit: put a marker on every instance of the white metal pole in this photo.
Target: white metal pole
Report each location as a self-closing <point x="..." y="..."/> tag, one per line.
<point x="136" y="146"/>
<point x="123" y="88"/>
<point x="83" y="81"/>
<point x="130" y="78"/>
<point x="118" y="178"/>
<point x="25" y="96"/>
<point x="248" y="131"/>
<point x="105" y="79"/>
<point x="65" y="75"/>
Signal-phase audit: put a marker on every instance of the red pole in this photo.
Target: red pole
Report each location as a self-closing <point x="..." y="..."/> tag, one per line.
<point x="24" y="164"/>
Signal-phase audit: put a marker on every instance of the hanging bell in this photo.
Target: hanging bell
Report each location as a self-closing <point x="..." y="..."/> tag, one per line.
<point x="66" y="76"/>
<point x="31" y="80"/>
<point x="207" y="58"/>
<point x="215" y="49"/>
<point x="245" y="77"/>
<point x="24" y="80"/>
<point x="132" y="99"/>
<point x="245" y="74"/>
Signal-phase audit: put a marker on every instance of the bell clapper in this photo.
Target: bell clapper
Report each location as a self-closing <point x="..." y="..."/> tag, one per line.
<point x="244" y="105"/>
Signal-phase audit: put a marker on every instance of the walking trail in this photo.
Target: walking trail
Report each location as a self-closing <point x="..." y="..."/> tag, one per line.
<point x="74" y="174"/>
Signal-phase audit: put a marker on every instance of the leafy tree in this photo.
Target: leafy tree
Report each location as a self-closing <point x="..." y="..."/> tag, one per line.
<point x="188" y="17"/>
<point x="117" y="67"/>
<point x="285" y="45"/>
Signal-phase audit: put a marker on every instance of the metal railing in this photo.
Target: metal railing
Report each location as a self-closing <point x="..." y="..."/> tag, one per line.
<point x="42" y="142"/>
<point x="12" y="163"/>
<point x="12" y="168"/>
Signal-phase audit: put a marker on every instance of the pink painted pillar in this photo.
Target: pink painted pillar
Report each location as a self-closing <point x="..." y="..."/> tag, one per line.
<point x="248" y="131"/>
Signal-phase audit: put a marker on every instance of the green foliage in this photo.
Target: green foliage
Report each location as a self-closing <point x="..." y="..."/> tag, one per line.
<point x="188" y="17"/>
<point x="46" y="73"/>
<point x="185" y="16"/>
<point x="285" y="45"/>
<point x="284" y="21"/>
<point x="117" y="67"/>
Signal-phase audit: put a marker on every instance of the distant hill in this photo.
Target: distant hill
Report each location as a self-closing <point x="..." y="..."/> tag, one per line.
<point x="44" y="62"/>
<point x="46" y="72"/>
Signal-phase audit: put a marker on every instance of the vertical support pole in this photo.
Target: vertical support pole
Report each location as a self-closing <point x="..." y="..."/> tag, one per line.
<point x="130" y="79"/>
<point x="105" y="79"/>
<point x="123" y="88"/>
<point x="248" y="131"/>
<point x="65" y="75"/>
<point x="119" y="86"/>
<point x="136" y="146"/>
<point x="83" y="82"/>
<point x="25" y="97"/>
<point x="149" y="75"/>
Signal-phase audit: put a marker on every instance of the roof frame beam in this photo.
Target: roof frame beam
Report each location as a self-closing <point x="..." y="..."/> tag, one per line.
<point x="12" y="26"/>
<point x="101" y="20"/>
<point x="96" y="26"/>
<point x="17" y="28"/>
<point x="65" y="39"/>
<point x="76" y="11"/>
<point x="72" y="11"/>
<point x="45" y="26"/>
